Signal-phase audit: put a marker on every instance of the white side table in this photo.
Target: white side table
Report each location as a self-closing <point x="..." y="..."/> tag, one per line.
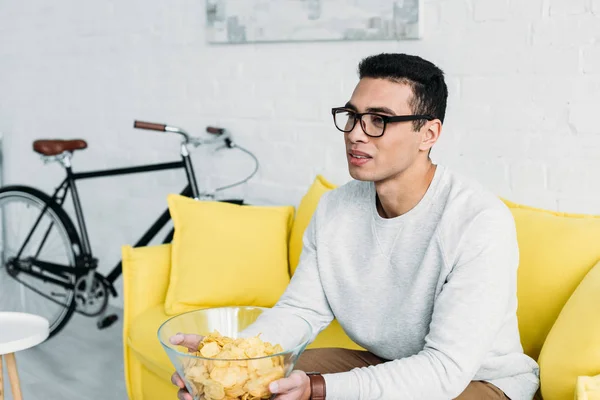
<point x="18" y="331"/>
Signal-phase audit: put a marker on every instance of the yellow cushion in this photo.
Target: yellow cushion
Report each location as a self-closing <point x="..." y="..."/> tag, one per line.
<point x="588" y="388"/>
<point x="227" y="254"/>
<point x="146" y="274"/>
<point x="556" y="251"/>
<point x="305" y="211"/>
<point x="333" y="336"/>
<point x="572" y="347"/>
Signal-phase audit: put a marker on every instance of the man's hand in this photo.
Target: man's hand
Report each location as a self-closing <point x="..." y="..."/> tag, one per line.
<point x="191" y="342"/>
<point x="294" y="387"/>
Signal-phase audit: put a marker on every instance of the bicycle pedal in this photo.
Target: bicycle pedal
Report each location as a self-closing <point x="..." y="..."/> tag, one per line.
<point x="107" y="321"/>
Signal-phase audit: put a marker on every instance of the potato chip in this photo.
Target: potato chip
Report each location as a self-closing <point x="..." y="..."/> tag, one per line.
<point x="195" y="390"/>
<point x="271" y="374"/>
<point x="196" y="373"/>
<point x="189" y="363"/>
<point x="221" y="364"/>
<point x="214" y="390"/>
<point x="260" y="364"/>
<point x="242" y="375"/>
<point x="223" y="355"/>
<point x="277" y="361"/>
<point x="238" y="353"/>
<point x="253" y="352"/>
<point x="234" y="369"/>
<point x="226" y="376"/>
<point x="235" y="391"/>
<point x="277" y="349"/>
<point x="257" y="388"/>
<point x="210" y="350"/>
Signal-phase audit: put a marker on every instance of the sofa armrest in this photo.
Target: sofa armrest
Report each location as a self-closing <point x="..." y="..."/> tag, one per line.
<point x="146" y="275"/>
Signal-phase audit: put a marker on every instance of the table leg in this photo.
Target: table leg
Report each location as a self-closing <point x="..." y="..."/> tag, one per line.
<point x="1" y="380"/>
<point x="13" y="376"/>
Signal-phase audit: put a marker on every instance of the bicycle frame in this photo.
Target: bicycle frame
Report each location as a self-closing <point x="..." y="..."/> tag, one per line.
<point x="85" y="261"/>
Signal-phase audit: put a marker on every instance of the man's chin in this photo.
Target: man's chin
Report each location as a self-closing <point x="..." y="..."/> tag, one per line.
<point x="360" y="175"/>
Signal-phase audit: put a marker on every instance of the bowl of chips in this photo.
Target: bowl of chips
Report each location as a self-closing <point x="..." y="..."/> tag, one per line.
<point x="241" y="350"/>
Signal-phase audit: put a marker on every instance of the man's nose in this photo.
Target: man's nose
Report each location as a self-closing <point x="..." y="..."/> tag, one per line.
<point x="357" y="134"/>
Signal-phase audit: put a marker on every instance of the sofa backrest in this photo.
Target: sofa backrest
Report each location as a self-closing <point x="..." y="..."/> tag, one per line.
<point x="556" y="251"/>
<point x="304" y="213"/>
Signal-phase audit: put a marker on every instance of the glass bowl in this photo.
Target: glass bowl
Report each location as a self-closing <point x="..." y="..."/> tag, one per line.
<point x="246" y="371"/>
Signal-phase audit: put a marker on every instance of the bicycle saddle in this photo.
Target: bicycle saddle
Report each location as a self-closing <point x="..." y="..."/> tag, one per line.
<point x="55" y="147"/>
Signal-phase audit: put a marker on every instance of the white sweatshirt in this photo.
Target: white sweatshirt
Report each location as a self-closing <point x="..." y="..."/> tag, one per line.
<point x="433" y="290"/>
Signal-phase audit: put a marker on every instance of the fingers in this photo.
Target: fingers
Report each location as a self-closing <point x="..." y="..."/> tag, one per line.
<point x="177" y="381"/>
<point x="191" y="342"/>
<point x="293" y="382"/>
<point x="184" y="395"/>
<point x="188" y="340"/>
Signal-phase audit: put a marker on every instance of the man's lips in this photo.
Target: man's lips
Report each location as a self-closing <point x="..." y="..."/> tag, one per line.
<point x="359" y="154"/>
<point x="358" y="158"/>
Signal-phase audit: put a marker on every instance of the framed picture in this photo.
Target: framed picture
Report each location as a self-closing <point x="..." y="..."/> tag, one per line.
<point x="247" y="21"/>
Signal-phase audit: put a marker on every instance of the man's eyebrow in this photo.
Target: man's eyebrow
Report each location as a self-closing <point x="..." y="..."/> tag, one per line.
<point x="350" y="106"/>
<point x="384" y="110"/>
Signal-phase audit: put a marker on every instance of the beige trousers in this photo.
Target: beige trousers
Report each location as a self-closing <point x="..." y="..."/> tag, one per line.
<point x="332" y="360"/>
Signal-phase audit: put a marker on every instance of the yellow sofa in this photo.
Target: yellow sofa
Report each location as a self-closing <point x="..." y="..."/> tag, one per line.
<point x="557" y="252"/>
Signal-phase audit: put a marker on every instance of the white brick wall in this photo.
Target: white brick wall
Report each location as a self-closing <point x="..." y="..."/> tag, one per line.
<point x="596" y="7"/>
<point x="570" y="7"/>
<point x="591" y="59"/>
<point x="490" y="10"/>
<point x="524" y="80"/>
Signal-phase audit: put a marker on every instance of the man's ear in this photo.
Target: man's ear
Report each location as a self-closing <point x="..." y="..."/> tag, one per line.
<point x="431" y="133"/>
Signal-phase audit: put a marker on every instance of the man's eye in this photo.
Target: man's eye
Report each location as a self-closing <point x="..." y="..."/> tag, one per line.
<point x="377" y="120"/>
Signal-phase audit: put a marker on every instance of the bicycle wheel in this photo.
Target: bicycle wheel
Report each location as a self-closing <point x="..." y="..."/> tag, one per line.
<point x="51" y="238"/>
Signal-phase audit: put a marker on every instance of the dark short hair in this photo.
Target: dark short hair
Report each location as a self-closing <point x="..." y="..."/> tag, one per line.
<point x="425" y="79"/>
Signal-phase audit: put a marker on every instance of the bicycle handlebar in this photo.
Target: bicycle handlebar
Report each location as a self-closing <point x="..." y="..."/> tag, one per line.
<point x="221" y="133"/>
<point x="215" y="131"/>
<point x="150" y="125"/>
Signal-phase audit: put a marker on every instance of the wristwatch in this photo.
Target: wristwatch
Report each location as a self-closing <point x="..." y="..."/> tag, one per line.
<point x="317" y="386"/>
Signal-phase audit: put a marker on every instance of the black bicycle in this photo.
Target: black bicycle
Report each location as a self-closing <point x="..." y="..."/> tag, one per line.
<point x="47" y="264"/>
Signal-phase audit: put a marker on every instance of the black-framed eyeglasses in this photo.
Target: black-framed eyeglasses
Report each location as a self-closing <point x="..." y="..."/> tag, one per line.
<point x="373" y="125"/>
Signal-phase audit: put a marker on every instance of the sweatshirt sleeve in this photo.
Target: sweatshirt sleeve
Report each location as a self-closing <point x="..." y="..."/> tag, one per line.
<point x="304" y="297"/>
<point x="467" y="316"/>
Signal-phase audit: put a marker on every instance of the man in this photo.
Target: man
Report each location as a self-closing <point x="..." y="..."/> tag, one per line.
<point x="417" y="263"/>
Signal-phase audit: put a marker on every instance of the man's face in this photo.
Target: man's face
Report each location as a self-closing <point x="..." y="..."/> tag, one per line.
<point x="394" y="152"/>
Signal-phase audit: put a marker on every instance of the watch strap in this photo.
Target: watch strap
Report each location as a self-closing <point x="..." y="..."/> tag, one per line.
<point x="317" y="386"/>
